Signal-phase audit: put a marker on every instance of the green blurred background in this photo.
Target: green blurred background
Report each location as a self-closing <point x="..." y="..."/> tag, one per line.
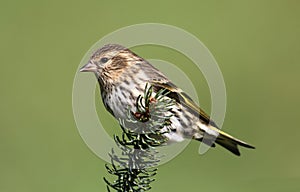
<point x="256" y="44"/>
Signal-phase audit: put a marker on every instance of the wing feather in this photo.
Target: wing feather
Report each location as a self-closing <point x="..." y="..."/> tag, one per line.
<point x="181" y="97"/>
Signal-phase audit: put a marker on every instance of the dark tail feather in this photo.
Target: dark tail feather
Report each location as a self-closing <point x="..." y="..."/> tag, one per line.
<point x="230" y="143"/>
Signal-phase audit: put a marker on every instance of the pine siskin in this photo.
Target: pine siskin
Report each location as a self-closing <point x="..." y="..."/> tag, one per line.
<point x="123" y="75"/>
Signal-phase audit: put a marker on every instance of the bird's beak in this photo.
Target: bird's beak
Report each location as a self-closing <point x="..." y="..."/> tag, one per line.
<point x="89" y="67"/>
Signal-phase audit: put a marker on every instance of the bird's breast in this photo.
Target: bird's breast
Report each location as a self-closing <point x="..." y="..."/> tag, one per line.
<point x="122" y="98"/>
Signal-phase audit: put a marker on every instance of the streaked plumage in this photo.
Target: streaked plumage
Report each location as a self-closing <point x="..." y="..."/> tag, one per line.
<point x="122" y="76"/>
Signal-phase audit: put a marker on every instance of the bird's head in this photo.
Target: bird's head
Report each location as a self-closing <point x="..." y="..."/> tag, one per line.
<point x="107" y="56"/>
<point x="110" y="62"/>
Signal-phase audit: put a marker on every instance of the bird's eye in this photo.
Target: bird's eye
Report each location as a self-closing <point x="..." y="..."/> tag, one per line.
<point x="104" y="60"/>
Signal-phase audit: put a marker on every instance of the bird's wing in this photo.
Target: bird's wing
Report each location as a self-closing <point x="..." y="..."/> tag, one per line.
<point x="223" y="138"/>
<point x="182" y="98"/>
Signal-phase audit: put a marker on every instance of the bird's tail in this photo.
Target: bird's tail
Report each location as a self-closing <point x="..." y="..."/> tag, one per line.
<point x="230" y="143"/>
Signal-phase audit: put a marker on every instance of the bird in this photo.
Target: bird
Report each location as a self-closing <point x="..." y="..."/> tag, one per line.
<point x="122" y="76"/>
